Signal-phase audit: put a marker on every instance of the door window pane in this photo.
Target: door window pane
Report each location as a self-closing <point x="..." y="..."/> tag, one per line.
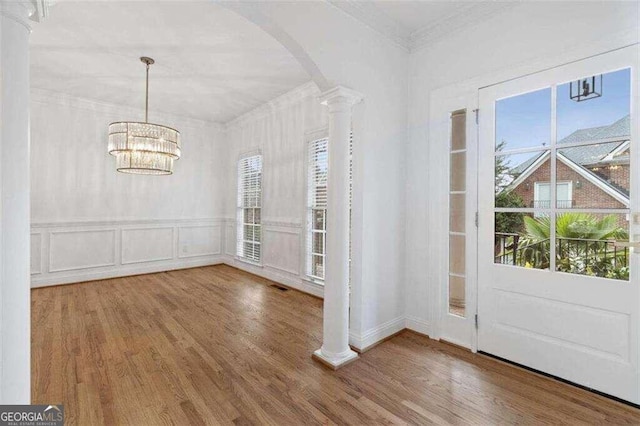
<point x="524" y="121"/>
<point x="516" y="176"/>
<point x="599" y="166"/>
<point x="457" y="198"/>
<point x="522" y="240"/>
<point x="585" y="244"/>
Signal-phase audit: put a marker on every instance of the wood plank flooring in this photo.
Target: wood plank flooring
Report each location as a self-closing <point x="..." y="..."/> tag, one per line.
<point x="215" y="345"/>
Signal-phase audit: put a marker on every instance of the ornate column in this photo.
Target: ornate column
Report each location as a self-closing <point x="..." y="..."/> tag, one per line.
<point x="15" y="356"/>
<point x="335" y="351"/>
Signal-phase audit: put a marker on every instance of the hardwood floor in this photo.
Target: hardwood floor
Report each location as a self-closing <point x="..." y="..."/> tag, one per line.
<point x="215" y="345"/>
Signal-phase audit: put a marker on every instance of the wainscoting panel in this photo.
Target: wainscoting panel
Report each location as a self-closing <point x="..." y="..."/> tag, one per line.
<point x="36" y="253"/>
<point x="81" y="249"/>
<point x="230" y="237"/>
<point x="147" y="245"/>
<point x="282" y="248"/>
<point x="199" y="240"/>
<point x="84" y="251"/>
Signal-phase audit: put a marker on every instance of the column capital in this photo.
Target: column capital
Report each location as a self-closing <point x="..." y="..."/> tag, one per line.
<point x="25" y="11"/>
<point x="341" y="95"/>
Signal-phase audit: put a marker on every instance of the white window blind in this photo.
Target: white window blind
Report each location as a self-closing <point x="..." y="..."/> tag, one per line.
<point x="249" y="231"/>
<point x="317" y="205"/>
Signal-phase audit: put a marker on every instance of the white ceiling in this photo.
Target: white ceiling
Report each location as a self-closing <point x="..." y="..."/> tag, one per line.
<point x="211" y="64"/>
<point x="416" y="15"/>
<point x="415" y="23"/>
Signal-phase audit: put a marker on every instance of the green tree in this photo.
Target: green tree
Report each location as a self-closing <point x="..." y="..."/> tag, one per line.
<point x="506" y="222"/>
<point x="582" y="244"/>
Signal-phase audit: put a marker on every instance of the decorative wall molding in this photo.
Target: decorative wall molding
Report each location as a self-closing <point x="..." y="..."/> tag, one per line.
<point x="36" y="253"/>
<point x="138" y="248"/>
<point x="48" y="97"/>
<point x="291" y="97"/>
<point x="72" y="277"/>
<point x="71" y="248"/>
<point x="214" y="249"/>
<point x="74" y="253"/>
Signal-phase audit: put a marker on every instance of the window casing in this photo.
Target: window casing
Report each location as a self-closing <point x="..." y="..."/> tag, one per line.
<point x="249" y="209"/>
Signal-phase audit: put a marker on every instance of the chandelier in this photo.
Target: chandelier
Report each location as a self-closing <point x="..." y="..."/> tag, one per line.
<point x="141" y="147"/>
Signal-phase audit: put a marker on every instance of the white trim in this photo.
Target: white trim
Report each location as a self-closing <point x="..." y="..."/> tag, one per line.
<point x="74" y="277"/>
<point x="594" y="180"/>
<point x="528" y="171"/>
<point x="621" y="148"/>
<point x="376" y="334"/>
<point x="309" y="89"/>
<point x="575" y="167"/>
<point x="418" y="325"/>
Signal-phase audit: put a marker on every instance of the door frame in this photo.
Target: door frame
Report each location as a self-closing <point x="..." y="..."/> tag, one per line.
<point x="457" y="330"/>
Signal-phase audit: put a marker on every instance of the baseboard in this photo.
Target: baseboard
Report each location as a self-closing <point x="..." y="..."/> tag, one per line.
<point x="123" y="271"/>
<point x="418" y="325"/>
<point x="377" y="335"/>
<point x="290" y="280"/>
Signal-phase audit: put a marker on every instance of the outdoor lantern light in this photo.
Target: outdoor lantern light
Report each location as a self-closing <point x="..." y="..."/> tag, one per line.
<point x="586" y="88"/>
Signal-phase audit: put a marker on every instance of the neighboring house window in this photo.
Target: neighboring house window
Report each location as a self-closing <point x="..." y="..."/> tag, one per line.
<point x="542" y="195"/>
<point x="249" y="208"/>
<point x="317" y="207"/>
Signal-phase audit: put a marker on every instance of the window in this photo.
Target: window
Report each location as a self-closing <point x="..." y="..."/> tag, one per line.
<point x="249" y="208"/>
<point x="542" y="195"/>
<point x="317" y="207"/>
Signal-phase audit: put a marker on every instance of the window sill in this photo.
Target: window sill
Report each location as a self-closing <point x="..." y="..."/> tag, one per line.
<point x="312" y="280"/>
<point x="248" y="261"/>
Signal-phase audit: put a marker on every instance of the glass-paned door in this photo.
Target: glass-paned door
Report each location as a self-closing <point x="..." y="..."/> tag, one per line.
<point x="558" y="287"/>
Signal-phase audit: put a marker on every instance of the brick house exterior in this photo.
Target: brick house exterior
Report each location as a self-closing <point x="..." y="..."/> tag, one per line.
<point x="596" y="173"/>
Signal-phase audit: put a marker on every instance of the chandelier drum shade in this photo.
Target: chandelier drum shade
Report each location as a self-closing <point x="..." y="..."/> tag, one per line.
<point x="142" y="147"/>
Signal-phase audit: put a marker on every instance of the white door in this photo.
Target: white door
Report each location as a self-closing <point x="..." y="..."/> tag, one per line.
<point x="555" y="292"/>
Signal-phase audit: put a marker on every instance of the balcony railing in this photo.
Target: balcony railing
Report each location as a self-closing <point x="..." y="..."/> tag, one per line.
<point x="546" y="204"/>
<point x="575" y="255"/>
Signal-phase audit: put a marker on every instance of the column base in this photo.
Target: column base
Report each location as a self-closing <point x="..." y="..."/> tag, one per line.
<point x="335" y="362"/>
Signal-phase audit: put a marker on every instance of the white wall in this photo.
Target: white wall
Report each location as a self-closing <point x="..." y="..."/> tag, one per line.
<point x="278" y="130"/>
<point x="89" y="221"/>
<point x="351" y="54"/>
<point x="526" y="38"/>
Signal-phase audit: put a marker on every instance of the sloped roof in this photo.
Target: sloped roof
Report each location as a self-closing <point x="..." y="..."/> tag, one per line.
<point x="613" y="137"/>
<point x="619" y="129"/>
<point x="589" y="154"/>
<point x="516" y="171"/>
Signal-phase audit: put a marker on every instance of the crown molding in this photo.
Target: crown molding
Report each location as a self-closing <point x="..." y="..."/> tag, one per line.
<point x="49" y="97"/>
<point x="341" y="94"/>
<point x="466" y="16"/>
<point x="375" y="19"/>
<point x="287" y="99"/>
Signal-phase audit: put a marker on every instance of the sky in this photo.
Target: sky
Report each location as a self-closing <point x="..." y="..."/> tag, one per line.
<point x="525" y="120"/>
